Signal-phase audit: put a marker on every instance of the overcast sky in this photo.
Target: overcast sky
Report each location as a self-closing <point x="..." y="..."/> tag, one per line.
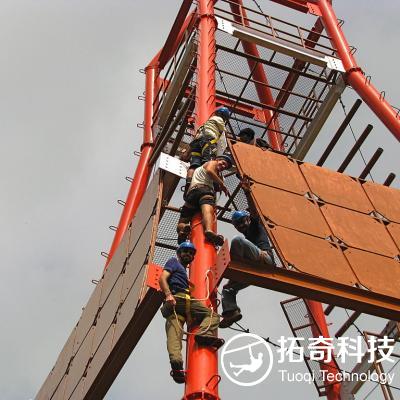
<point x="68" y="112"/>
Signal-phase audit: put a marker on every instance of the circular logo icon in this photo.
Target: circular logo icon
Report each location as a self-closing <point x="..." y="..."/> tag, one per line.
<point x="247" y="359"/>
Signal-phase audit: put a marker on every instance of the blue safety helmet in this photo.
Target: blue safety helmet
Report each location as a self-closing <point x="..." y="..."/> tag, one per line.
<point x="186" y="245"/>
<point x="238" y="215"/>
<point x="227" y="158"/>
<point x="223" y="112"/>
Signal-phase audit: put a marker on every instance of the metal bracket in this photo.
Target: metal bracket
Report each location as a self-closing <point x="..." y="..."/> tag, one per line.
<point x="223" y="260"/>
<point x="334" y="63"/>
<point x="173" y="165"/>
<point x="225" y="26"/>
<point x="153" y="275"/>
<point x="314" y="9"/>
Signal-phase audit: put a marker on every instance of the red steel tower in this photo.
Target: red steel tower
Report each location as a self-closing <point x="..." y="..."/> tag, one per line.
<point x="284" y="81"/>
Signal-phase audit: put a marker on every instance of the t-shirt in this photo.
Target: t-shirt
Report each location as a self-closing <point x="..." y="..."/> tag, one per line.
<point x="201" y="177"/>
<point x="257" y="234"/>
<point x="178" y="280"/>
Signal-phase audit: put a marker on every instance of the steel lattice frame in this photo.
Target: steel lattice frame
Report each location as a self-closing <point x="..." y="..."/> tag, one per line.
<point x="279" y="105"/>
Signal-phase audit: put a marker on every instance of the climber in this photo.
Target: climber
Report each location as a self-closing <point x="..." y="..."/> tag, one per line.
<point x="255" y="363"/>
<point x="246" y="135"/>
<point x="255" y="248"/>
<point x="178" y="307"/>
<point x="201" y="197"/>
<point x="204" y="145"/>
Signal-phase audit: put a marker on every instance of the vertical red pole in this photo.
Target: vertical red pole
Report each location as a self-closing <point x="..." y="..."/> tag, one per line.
<point x="202" y="362"/>
<point x="375" y="100"/>
<point x="263" y="91"/>
<point x="205" y="96"/>
<point x="139" y="183"/>
<point x="332" y="391"/>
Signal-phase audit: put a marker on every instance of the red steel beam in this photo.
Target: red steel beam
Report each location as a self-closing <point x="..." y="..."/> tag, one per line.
<point x="311" y="287"/>
<point x="163" y="56"/>
<point x="202" y="362"/>
<point x="332" y="391"/>
<point x="298" y="5"/>
<point x="141" y="177"/>
<point x="354" y="75"/>
<point x="264" y="93"/>
<point x="181" y="23"/>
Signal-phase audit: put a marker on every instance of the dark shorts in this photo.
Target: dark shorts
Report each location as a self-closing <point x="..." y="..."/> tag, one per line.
<point x="196" y="197"/>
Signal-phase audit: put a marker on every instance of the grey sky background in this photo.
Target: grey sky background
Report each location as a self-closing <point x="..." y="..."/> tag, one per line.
<point x="68" y="113"/>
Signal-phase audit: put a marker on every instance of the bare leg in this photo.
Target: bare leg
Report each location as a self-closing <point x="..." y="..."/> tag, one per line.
<point x="207" y="211"/>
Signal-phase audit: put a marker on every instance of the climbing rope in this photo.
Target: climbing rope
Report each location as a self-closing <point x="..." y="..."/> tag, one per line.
<point x="194" y="299"/>
<point x="193" y="333"/>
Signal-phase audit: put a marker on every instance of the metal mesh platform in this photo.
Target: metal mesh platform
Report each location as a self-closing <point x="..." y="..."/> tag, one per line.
<point x="295" y="106"/>
<point x="166" y="241"/>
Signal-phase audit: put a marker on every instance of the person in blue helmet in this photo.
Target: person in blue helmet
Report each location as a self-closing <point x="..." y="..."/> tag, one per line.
<point x="254" y="247"/>
<point x="179" y="307"/>
<point x="203" y="147"/>
<point x="201" y="197"/>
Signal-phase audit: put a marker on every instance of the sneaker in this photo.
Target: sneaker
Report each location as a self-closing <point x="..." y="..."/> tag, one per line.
<point x="177" y="371"/>
<point x="266" y="258"/>
<point x="230" y="318"/>
<point x="217" y="240"/>
<point x="209" y="340"/>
